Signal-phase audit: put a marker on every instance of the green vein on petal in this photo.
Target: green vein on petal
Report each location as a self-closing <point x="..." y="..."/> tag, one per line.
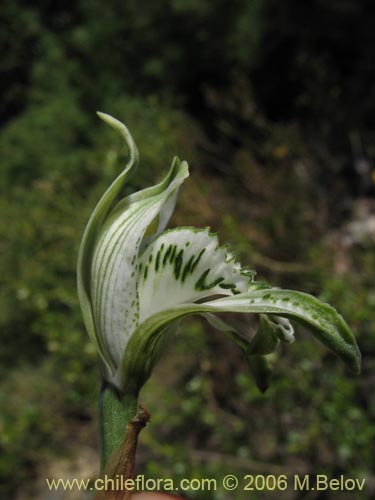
<point x="327" y="325"/>
<point x="105" y="241"/>
<point x="185" y="265"/>
<point x="92" y="229"/>
<point x="323" y="321"/>
<point x="115" y="259"/>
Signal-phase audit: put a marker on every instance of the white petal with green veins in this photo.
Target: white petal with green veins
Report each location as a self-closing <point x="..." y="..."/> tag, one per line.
<point x="185" y="265"/>
<point x="92" y="230"/>
<point x="115" y="261"/>
<point x="324" y="322"/>
<point x="135" y="284"/>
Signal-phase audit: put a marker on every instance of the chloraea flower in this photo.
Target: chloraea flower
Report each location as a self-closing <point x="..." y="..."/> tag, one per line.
<point x="136" y="280"/>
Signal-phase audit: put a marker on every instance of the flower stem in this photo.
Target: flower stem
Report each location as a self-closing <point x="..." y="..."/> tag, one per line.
<point x="115" y="412"/>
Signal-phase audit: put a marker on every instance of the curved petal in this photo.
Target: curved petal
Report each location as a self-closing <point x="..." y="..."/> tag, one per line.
<point x="115" y="260"/>
<point x="156" y="201"/>
<point x="93" y="227"/>
<point x="324" y="322"/>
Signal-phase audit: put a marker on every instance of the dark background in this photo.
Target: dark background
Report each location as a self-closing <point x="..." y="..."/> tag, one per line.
<point x="272" y="104"/>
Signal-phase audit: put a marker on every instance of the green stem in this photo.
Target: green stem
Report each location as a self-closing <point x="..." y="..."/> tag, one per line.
<point x="115" y="412"/>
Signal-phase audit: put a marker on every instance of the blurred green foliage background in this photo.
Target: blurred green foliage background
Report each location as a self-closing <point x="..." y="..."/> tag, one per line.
<point x="272" y="104"/>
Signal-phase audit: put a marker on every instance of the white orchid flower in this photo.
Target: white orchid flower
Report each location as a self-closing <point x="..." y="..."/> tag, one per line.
<point x="136" y="280"/>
